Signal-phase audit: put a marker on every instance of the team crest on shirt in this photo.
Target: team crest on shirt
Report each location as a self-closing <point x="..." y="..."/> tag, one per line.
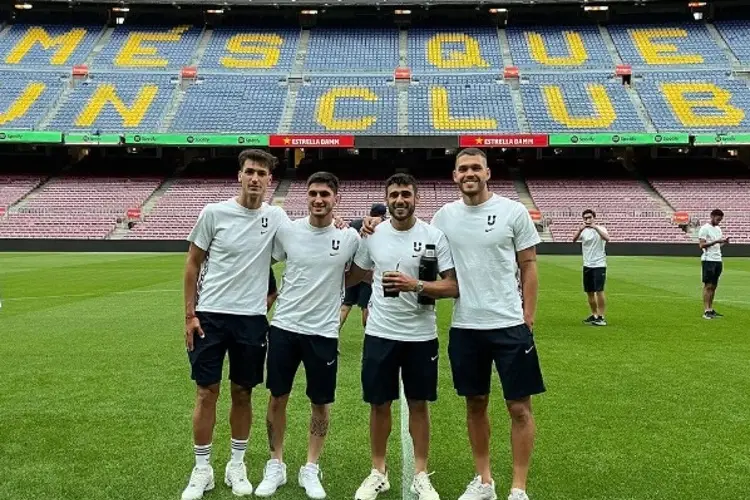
<point x="335" y="244"/>
<point x="264" y="222"/>
<point x="491" y="219"/>
<point x="417" y="248"/>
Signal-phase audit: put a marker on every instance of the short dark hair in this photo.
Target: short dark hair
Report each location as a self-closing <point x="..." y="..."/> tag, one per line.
<point x="401" y="180"/>
<point x="471" y="152"/>
<point x="716" y="212"/>
<point x="378" y="210"/>
<point x="326" y="178"/>
<point x="589" y="211"/>
<point x="263" y="158"/>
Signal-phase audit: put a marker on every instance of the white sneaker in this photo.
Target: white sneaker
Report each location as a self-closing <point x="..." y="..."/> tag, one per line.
<point x="274" y="475"/>
<point x="375" y="483"/>
<point x="518" y="494"/>
<point x="201" y="480"/>
<point x="235" y="476"/>
<point x="422" y="487"/>
<point x="309" y="478"/>
<point x="478" y="491"/>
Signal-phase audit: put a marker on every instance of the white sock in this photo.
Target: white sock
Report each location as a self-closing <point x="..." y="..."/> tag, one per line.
<point x="202" y="455"/>
<point x="238" y="450"/>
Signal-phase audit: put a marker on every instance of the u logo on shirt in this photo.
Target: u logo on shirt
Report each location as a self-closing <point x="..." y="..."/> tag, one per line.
<point x="417" y="246"/>
<point x="491" y="220"/>
<point x="335" y="244"/>
<point x="264" y="221"/>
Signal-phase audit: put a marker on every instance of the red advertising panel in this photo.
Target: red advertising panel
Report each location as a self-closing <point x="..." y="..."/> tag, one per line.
<point x="311" y="141"/>
<point x="504" y="141"/>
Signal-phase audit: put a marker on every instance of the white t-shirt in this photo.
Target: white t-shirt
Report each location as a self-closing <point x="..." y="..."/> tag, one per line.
<point x="311" y="290"/>
<point x="400" y="318"/>
<point x="484" y="240"/>
<point x="593" y="245"/>
<point x="709" y="232"/>
<point x="238" y="242"/>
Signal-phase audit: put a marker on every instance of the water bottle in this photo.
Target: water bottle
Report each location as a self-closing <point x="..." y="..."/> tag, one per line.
<point x="428" y="271"/>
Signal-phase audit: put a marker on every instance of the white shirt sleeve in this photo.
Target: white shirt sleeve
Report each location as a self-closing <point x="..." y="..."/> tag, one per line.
<point x="279" y="251"/>
<point x="203" y="232"/>
<point x="438" y="219"/>
<point x="703" y="233"/>
<point x="362" y="258"/>
<point x="444" y="256"/>
<point x="525" y="234"/>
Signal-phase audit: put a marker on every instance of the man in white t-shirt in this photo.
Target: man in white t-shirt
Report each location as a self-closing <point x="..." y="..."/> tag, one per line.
<point x="305" y="327"/>
<point x="401" y="333"/>
<point x="593" y="238"/>
<point x="711" y="240"/>
<point x="226" y="288"/>
<point x="491" y="239"/>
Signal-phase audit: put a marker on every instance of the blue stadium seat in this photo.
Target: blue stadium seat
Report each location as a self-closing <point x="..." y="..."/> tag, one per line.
<point x="577" y="112"/>
<point x="131" y="48"/>
<point x="696" y="101"/>
<point x="737" y="35"/>
<point x="558" y="47"/>
<point x="224" y="103"/>
<point x="33" y="93"/>
<point x="475" y="105"/>
<point x="251" y="50"/>
<point x="667" y="45"/>
<point x="352" y="50"/>
<point x="66" y="45"/>
<point x="470" y="50"/>
<point x="346" y="106"/>
<point x="126" y="86"/>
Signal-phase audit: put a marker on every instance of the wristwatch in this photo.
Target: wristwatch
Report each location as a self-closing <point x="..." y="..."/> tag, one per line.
<point x="420" y="287"/>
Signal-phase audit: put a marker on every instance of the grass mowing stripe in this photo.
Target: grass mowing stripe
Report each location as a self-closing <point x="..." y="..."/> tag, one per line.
<point x="407" y="448"/>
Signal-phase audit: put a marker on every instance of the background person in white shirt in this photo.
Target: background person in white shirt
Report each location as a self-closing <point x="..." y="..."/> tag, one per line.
<point x="226" y="287"/>
<point x="491" y="239"/>
<point x="711" y="240"/>
<point x="594" y="238"/>
<point x="305" y="327"/>
<point x="401" y="334"/>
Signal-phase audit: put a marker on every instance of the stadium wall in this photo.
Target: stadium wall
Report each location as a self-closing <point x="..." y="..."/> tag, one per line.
<point x="548" y="248"/>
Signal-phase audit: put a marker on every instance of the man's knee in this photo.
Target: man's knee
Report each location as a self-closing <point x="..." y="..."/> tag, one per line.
<point x="381" y="410"/>
<point x="520" y="411"/>
<point x="278" y="403"/>
<point x="208" y="395"/>
<point x="477" y="405"/>
<point x="240" y="395"/>
<point x="417" y="407"/>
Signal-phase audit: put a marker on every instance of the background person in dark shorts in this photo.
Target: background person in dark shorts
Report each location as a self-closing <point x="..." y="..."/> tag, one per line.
<point x="594" y="238"/>
<point x="226" y="288"/>
<point x="492" y="321"/>
<point x="711" y="240"/>
<point x="304" y="328"/>
<point x="359" y="294"/>
<point x="401" y="336"/>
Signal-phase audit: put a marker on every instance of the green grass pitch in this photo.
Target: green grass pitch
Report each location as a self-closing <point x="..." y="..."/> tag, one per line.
<point x="96" y="396"/>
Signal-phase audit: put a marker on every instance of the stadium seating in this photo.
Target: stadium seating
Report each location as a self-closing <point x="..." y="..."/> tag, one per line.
<point x="336" y="105"/>
<point x="737" y="36"/>
<point x="15" y="187"/>
<point x="47" y="46"/>
<point x="176" y="211"/>
<point x="558" y="47"/>
<point x="26" y="97"/>
<point x="697" y="101"/>
<point x="116" y="102"/>
<point x="348" y="50"/>
<point x="250" y="49"/>
<point x="667" y="46"/>
<point x="622" y="205"/>
<point x="149" y="48"/>
<point x="455" y="105"/>
<point x="578" y="102"/>
<point x="238" y="98"/>
<point x="471" y="50"/>
<point x="699" y="196"/>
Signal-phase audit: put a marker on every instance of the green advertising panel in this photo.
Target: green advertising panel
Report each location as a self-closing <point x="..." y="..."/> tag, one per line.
<point x="617" y="139"/>
<point x="722" y="139"/>
<point x="195" y="140"/>
<point x="30" y="137"/>
<point x="93" y="139"/>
